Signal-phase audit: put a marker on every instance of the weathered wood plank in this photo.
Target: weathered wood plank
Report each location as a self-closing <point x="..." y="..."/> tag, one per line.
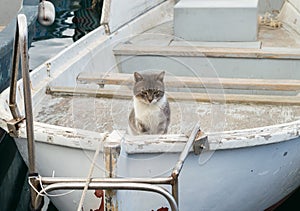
<point x="181" y="96"/>
<point x="194" y="82"/>
<point x="268" y="53"/>
<point x="104" y="93"/>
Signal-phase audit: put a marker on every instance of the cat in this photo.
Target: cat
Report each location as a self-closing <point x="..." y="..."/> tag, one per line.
<point x="151" y="110"/>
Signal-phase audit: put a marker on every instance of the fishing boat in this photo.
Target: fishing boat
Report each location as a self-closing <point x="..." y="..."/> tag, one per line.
<point x="233" y="84"/>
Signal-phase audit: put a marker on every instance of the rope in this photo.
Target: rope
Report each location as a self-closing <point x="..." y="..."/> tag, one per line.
<point x="40" y="193"/>
<point x="270" y="19"/>
<point x="88" y="179"/>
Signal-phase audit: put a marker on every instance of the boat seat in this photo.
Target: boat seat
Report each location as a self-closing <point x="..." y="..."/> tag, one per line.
<point x="180" y="88"/>
<point x="194" y="82"/>
<point x="178" y="96"/>
<point x="213" y="52"/>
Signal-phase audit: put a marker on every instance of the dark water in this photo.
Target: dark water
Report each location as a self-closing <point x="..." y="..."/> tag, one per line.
<point x="78" y="16"/>
<point x="292" y="203"/>
<point x="14" y="189"/>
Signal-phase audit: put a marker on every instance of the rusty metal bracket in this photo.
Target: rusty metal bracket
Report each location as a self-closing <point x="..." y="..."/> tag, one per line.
<point x="13" y="126"/>
<point x="200" y="143"/>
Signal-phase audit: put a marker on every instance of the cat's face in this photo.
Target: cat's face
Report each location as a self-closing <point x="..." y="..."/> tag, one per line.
<point x="149" y="87"/>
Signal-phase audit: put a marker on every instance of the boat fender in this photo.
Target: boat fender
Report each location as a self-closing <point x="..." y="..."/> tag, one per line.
<point x="46" y="13"/>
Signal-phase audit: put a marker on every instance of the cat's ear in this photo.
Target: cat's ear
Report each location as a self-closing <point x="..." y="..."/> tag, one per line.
<point x="161" y="76"/>
<point x="137" y="77"/>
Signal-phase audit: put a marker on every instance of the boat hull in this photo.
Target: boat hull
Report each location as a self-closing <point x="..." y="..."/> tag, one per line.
<point x="249" y="178"/>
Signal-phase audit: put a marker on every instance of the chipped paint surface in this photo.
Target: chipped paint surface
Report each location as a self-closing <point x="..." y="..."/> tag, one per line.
<point x="111" y="155"/>
<point x="68" y="137"/>
<point x="229" y="125"/>
<point x="110" y="114"/>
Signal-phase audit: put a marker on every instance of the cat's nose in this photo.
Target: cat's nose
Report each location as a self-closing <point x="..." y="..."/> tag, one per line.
<point x="150" y="99"/>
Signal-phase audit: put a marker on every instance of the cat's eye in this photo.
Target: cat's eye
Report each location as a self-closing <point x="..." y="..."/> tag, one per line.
<point x="157" y="93"/>
<point x="143" y="94"/>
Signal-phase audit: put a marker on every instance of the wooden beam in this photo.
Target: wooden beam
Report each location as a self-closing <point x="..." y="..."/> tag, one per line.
<point x="195" y="82"/>
<point x="194" y="51"/>
<point x="100" y="93"/>
<point x="180" y="96"/>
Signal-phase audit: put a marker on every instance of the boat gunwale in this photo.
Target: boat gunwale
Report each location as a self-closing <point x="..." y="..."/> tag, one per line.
<point x="168" y="143"/>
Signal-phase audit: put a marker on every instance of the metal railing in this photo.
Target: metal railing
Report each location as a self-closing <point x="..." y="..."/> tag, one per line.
<point x="141" y="184"/>
<point x="21" y="51"/>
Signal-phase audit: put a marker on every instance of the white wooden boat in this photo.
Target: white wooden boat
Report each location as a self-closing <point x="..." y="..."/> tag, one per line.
<point x="245" y="94"/>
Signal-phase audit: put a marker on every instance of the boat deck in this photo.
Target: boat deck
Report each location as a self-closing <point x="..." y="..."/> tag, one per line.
<point x="162" y="35"/>
<point x="84" y="109"/>
<point x="278" y="37"/>
<point x="271" y="42"/>
<point x="103" y="114"/>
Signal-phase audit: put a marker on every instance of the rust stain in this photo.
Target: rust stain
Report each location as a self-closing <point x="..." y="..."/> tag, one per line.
<point x="162" y="209"/>
<point x="100" y="194"/>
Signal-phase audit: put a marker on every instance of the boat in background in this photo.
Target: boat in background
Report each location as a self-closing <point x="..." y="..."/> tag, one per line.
<point x="245" y="94"/>
<point x="7" y="27"/>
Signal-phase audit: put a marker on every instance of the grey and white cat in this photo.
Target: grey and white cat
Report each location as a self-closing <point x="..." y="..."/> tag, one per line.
<point x="151" y="111"/>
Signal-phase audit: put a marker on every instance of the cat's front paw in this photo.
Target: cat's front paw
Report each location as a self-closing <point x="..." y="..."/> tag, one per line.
<point x="142" y="128"/>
